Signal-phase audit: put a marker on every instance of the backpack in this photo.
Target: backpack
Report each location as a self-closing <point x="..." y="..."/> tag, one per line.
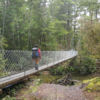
<point x="35" y="53"/>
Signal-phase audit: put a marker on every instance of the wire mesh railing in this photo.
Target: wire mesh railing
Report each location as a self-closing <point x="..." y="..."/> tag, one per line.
<point x="13" y="61"/>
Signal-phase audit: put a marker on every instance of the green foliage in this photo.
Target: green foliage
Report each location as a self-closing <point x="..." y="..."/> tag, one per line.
<point x="9" y="98"/>
<point x="61" y="70"/>
<point x="86" y="65"/>
<point x="32" y="22"/>
<point x="11" y="91"/>
<point x="45" y="78"/>
<point x="70" y="69"/>
<point x="89" y="36"/>
<point x="89" y="40"/>
<point x="2" y="60"/>
<point x="58" y="71"/>
<point x="53" y="27"/>
<point x="93" y="84"/>
<point x="3" y="43"/>
<point x="2" y="65"/>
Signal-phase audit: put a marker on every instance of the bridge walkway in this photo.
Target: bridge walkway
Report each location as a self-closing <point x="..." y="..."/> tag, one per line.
<point x="19" y="65"/>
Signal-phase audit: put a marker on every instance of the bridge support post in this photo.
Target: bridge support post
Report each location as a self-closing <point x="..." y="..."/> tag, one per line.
<point x="72" y="61"/>
<point x="0" y="91"/>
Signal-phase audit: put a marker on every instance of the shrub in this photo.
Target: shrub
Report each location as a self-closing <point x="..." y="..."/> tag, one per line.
<point x="61" y="70"/>
<point x="58" y="71"/>
<point x="70" y="69"/>
<point x="87" y="65"/>
<point x="9" y="98"/>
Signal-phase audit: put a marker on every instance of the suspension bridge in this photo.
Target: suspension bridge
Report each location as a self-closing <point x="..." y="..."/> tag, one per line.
<point x="19" y="65"/>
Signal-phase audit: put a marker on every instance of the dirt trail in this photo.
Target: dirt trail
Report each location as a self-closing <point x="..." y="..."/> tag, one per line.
<point x="59" y="92"/>
<point x="54" y="92"/>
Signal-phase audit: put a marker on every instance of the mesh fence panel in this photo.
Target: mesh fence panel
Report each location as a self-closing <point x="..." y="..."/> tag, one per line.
<point x="13" y="62"/>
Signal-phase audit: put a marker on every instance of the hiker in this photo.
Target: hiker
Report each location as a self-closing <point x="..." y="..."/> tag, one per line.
<point x="36" y="56"/>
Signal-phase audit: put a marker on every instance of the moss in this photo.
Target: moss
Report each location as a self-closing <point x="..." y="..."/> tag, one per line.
<point x="9" y="98"/>
<point x="46" y="78"/>
<point x="77" y="76"/>
<point x="97" y="98"/>
<point x="93" y="84"/>
<point x="36" y="82"/>
<point x="39" y="80"/>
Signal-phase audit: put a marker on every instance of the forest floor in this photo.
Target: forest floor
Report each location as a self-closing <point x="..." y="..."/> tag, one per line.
<point x="92" y="95"/>
<point x="28" y="94"/>
<point x="42" y="82"/>
<point x="24" y="94"/>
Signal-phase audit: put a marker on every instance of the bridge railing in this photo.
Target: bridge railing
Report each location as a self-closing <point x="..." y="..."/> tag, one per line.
<point x="14" y="61"/>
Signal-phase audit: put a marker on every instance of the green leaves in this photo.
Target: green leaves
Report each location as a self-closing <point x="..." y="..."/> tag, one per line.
<point x="2" y="42"/>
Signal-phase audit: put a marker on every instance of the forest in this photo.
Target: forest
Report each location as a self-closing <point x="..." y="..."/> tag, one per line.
<point x="52" y="24"/>
<point x="55" y="25"/>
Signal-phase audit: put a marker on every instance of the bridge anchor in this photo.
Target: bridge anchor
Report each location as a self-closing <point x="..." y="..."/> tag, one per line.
<point x="0" y="91"/>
